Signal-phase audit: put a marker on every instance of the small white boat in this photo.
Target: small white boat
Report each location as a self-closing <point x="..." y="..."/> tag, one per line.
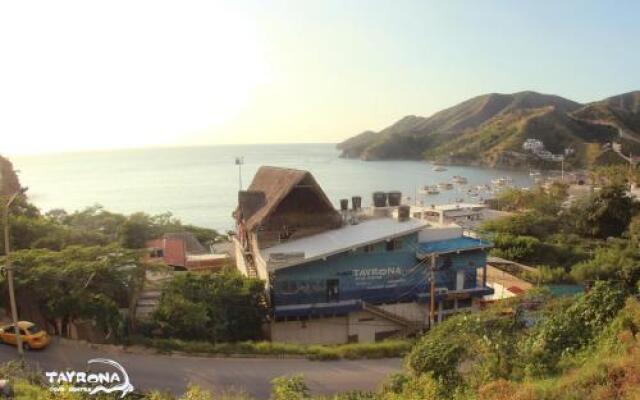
<point x="502" y="181"/>
<point x="445" y="185"/>
<point x="460" y="180"/>
<point x="439" y="168"/>
<point x="429" y="190"/>
<point x="534" y="173"/>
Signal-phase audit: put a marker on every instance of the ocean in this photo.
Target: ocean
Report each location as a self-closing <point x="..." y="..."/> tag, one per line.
<point x="199" y="185"/>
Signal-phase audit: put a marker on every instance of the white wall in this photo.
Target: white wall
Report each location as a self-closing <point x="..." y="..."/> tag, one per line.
<point x="411" y="311"/>
<point x="313" y="331"/>
<point x="261" y="264"/>
<point x="240" y="263"/>
<point x="439" y="233"/>
<point x="365" y="325"/>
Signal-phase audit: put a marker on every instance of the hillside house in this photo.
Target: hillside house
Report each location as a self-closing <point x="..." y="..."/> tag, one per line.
<point x="183" y="252"/>
<point x="354" y="275"/>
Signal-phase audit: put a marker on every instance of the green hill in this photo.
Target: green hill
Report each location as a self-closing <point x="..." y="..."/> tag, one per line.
<point x="490" y="130"/>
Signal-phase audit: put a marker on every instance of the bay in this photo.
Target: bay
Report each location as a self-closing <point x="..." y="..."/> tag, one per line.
<point x="199" y="185"/>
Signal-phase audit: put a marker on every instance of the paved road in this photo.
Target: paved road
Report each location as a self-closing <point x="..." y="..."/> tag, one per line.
<point x="173" y="373"/>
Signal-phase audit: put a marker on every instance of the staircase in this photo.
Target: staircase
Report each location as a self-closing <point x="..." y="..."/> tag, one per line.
<point x="410" y="327"/>
<point x="149" y="297"/>
<point x="252" y="271"/>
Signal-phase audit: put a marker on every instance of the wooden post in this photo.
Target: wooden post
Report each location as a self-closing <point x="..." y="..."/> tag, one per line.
<point x="432" y="294"/>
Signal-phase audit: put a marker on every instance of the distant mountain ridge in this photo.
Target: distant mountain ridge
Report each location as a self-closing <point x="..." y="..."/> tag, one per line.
<point x="490" y="130"/>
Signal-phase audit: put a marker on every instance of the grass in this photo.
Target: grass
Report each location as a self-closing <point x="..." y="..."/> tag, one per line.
<point x="353" y="351"/>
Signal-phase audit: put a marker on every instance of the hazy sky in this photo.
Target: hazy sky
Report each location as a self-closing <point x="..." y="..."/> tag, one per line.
<point x="110" y="74"/>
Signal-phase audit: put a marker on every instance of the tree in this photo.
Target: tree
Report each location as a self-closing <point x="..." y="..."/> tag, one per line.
<point x="605" y="213"/>
<point x="136" y="230"/>
<point x="217" y="307"/>
<point x="571" y="328"/>
<point x="78" y="283"/>
<point x="618" y="261"/>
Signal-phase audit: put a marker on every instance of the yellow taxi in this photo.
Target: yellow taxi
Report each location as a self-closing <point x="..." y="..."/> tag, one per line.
<point x="33" y="337"/>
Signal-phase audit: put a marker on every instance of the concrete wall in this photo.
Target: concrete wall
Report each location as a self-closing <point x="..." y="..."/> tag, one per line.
<point x="261" y="264"/>
<point x="443" y="233"/>
<point x="360" y="326"/>
<point x="411" y="311"/>
<point x="363" y="326"/>
<point x="312" y="331"/>
<point x="239" y="257"/>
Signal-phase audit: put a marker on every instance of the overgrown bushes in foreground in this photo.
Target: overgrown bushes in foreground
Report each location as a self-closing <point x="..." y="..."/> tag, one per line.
<point x="385" y="349"/>
<point x="582" y="348"/>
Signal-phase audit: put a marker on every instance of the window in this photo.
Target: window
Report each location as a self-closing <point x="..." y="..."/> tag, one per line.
<point x="464" y="303"/>
<point x="395" y="244"/>
<point x="333" y="290"/>
<point x="448" y="305"/>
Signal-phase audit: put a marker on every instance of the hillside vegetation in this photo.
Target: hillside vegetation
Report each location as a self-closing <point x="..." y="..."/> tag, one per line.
<point x="490" y="130"/>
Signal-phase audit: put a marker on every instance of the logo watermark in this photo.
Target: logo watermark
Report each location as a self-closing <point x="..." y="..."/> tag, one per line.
<point x="113" y="381"/>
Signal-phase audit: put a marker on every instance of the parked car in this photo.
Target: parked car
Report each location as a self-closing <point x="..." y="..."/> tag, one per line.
<point x="33" y="337"/>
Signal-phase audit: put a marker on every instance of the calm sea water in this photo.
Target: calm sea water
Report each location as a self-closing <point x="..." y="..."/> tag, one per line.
<point x="199" y="184"/>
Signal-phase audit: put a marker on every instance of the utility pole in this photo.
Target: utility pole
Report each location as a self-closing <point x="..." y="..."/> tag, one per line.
<point x="432" y="291"/>
<point x="9" y="269"/>
<point x="239" y="162"/>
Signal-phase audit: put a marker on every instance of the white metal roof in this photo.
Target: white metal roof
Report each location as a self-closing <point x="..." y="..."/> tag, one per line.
<point x="450" y="207"/>
<point x="204" y="257"/>
<point x="342" y="239"/>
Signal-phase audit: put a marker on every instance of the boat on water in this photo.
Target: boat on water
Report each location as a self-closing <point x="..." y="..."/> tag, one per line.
<point x="426" y="189"/>
<point x="534" y="173"/>
<point x="439" y="168"/>
<point x="445" y="185"/>
<point x="460" y="180"/>
<point x="502" y="181"/>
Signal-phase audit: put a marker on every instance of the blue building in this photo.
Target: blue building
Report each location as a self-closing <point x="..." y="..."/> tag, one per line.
<point x="354" y="275"/>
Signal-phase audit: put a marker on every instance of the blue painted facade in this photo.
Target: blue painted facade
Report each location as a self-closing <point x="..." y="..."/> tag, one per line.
<point x="378" y="273"/>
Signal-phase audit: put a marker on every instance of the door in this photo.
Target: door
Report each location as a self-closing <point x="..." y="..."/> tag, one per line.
<point x="460" y="280"/>
<point x="333" y="290"/>
<point x="9" y="335"/>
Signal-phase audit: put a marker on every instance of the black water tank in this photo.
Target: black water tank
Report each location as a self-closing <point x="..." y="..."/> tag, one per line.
<point x="394" y="198"/>
<point x="403" y="213"/>
<point x="379" y="199"/>
<point x="356" y="202"/>
<point x="344" y="204"/>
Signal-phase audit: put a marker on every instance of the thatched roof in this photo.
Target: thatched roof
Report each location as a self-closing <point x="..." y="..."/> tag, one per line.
<point x="275" y="183"/>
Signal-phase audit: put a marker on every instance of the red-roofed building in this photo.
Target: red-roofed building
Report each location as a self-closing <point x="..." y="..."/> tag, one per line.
<point x="183" y="251"/>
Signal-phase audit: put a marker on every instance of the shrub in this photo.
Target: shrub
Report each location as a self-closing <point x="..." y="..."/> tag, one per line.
<point x="214" y="307"/>
<point x="289" y="388"/>
<point x="569" y="330"/>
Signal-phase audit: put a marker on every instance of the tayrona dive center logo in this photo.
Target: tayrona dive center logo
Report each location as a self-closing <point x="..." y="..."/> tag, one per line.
<point x="116" y="380"/>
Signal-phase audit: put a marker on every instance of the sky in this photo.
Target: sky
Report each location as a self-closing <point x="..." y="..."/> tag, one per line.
<point x="78" y="75"/>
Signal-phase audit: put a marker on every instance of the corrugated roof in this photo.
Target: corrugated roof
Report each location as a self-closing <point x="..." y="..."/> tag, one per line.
<point x="348" y="237"/>
<point x="276" y="183"/>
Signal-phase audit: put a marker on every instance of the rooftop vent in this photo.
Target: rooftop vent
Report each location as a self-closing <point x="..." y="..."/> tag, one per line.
<point x="403" y="213"/>
<point x="379" y="199"/>
<point x="394" y="198"/>
<point x="344" y="204"/>
<point x="356" y="203"/>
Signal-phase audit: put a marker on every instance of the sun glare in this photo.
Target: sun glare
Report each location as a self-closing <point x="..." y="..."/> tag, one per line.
<point x="121" y="74"/>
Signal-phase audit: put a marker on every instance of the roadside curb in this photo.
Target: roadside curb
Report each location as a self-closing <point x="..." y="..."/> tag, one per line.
<point x="142" y="350"/>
